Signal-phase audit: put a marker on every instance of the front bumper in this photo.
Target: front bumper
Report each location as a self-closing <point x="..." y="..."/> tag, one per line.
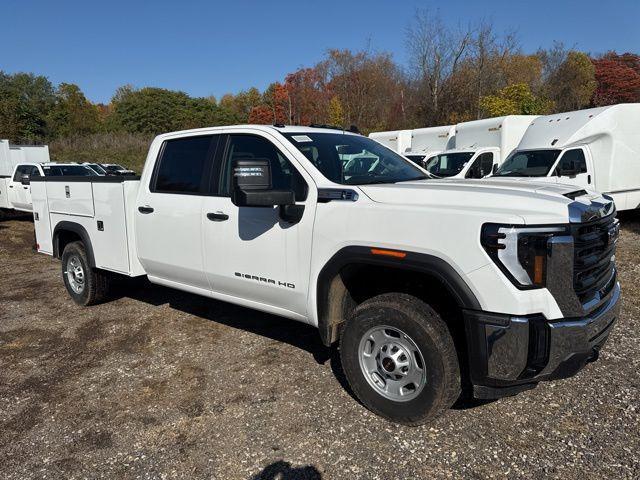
<point x="509" y="354"/>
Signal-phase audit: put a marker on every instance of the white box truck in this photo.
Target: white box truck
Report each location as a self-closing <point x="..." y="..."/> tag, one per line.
<point x="480" y="146"/>
<point x="596" y="149"/>
<point x="425" y="142"/>
<point x="398" y="140"/>
<point x="425" y="285"/>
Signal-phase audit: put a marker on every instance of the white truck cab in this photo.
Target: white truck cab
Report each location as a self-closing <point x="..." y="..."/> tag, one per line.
<point x="15" y="190"/>
<point x="429" y="288"/>
<point x="597" y="148"/>
<point x="480" y="146"/>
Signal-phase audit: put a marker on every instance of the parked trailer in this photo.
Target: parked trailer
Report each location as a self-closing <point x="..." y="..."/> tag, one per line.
<point x="480" y="146"/>
<point x="597" y="148"/>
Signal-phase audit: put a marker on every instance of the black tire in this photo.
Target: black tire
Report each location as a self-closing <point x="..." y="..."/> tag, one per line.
<point x="428" y="333"/>
<point x="95" y="284"/>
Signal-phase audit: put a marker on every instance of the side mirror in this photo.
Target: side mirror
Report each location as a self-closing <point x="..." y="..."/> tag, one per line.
<point x="572" y="171"/>
<point x="252" y="187"/>
<point x="25" y="180"/>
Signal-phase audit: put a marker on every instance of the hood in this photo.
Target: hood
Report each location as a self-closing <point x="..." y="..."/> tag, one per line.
<point x="499" y="200"/>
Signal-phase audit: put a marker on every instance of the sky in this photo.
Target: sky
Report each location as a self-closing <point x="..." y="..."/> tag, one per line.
<point x="210" y="48"/>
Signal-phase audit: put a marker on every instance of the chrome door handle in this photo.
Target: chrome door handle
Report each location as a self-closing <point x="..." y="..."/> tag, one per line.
<point x="217" y="217"/>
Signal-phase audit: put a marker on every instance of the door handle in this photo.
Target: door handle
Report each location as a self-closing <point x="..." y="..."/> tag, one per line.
<point x="145" y="209"/>
<point x="217" y="217"/>
<point x="25" y="187"/>
<point x="10" y="186"/>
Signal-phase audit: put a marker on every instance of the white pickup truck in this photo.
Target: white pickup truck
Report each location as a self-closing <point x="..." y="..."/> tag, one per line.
<point x="430" y="287"/>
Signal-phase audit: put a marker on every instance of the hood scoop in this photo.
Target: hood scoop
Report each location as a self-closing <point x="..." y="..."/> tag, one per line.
<point x="576" y="194"/>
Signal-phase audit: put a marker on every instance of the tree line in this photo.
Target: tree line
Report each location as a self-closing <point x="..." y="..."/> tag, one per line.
<point x="455" y="74"/>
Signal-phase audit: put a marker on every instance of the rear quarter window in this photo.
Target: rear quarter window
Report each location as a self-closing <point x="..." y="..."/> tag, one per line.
<point x="183" y="165"/>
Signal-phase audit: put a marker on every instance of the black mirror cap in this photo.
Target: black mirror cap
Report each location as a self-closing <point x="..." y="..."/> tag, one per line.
<point x="25" y="180"/>
<point x="262" y="198"/>
<point x="252" y="174"/>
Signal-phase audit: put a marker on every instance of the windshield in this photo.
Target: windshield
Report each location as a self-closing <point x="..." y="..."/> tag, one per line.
<point x="448" y="164"/>
<point x="528" y="163"/>
<point x="97" y="168"/>
<point x="62" y="170"/>
<point x="353" y="159"/>
<point x="417" y="159"/>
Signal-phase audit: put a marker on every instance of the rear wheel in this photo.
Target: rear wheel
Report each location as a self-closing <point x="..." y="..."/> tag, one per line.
<point x="400" y="360"/>
<point x="86" y="285"/>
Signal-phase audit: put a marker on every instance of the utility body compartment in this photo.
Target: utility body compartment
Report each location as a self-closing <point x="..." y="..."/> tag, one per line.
<point x="94" y="206"/>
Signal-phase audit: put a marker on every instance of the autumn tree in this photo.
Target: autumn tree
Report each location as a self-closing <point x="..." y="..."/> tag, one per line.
<point x="335" y="112"/>
<point x="618" y="79"/>
<point x="437" y="52"/>
<point x="516" y="99"/>
<point x="308" y="95"/>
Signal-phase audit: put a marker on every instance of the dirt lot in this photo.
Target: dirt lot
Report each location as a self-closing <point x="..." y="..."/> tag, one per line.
<point x="161" y="384"/>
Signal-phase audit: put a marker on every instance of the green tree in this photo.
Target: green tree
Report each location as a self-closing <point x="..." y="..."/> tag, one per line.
<point x="25" y="101"/>
<point x="72" y="113"/>
<point x="516" y="99"/>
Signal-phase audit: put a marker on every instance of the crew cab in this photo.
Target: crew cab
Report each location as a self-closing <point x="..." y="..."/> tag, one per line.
<point x="15" y="190"/>
<point x="429" y="288"/>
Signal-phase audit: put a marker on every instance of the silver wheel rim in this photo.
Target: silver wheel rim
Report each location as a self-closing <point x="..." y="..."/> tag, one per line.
<point x="75" y="274"/>
<point x="392" y="363"/>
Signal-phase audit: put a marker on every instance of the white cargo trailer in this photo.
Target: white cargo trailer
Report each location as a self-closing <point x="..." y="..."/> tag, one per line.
<point x="480" y="146"/>
<point x="597" y="149"/>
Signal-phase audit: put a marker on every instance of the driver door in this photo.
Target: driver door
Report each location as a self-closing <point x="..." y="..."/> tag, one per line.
<point x="572" y="168"/>
<point x="250" y="253"/>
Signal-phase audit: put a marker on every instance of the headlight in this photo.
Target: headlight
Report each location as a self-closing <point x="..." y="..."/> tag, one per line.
<point x="520" y="252"/>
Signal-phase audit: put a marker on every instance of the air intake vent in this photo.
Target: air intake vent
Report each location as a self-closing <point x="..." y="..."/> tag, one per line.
<point x="328" y="194"/>
<point x="574" y="195"/>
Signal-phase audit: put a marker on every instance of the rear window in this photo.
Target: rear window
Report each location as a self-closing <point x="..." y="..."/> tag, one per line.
<point x="64" y="170"/>
<point x="183" y="164"/>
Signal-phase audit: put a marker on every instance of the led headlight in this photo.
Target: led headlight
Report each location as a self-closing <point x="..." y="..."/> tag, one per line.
<point x="520" y="252"/>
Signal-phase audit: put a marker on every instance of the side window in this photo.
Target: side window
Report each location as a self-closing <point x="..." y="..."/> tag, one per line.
<point x="35" y="172"/>
<point x="183" y="165"/>
<point x="481" y="166"/>
<point x="20" y="171"/>
<point x="573" y="160"/>
<point x="284" y="175"/>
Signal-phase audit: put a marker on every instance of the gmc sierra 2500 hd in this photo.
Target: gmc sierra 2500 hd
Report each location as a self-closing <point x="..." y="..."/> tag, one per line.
<point x="430" y="287"/>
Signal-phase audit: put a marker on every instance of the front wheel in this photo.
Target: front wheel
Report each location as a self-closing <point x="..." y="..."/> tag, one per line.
<point x="400" y="360"/>
<point x="86" y="286"/>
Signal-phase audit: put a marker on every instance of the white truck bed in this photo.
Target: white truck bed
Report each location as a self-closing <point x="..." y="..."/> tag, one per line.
<point x="101" y="205"/>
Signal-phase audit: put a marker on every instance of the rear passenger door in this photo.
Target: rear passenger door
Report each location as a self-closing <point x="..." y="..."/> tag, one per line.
<point x="251" y="255"/>
<point x="168" y="213"/>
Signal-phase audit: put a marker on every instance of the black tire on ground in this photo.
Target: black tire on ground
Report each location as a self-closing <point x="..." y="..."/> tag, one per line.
<point x="94" y="287"/>
<point x="432" y="338"/>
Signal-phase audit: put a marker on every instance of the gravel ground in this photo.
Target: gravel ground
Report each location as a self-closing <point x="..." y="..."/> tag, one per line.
<point x="162" y="384"/>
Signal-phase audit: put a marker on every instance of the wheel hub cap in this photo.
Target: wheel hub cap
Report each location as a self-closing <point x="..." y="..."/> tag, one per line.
<point x="392" y="363"/>
<point x="75" y="274"/>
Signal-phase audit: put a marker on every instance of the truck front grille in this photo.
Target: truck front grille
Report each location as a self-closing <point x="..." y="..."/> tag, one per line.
<point x="594" y="249"/>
